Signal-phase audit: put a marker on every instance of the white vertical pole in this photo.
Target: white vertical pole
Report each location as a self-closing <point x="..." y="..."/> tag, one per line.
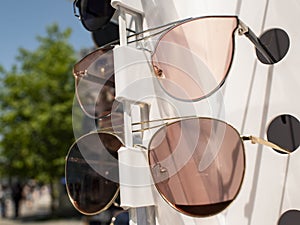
<point x="140" y="215"/>
<point x="122" y="27"/>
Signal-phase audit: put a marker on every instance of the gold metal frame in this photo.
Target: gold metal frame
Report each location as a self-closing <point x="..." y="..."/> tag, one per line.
<point x="112" y="202"/>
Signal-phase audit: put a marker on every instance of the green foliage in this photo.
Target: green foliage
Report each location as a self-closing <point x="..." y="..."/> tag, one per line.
<point x="36" y="100"/>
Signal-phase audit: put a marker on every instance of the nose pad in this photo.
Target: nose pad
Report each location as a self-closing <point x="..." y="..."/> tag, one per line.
<point x="158" y="72"/>
<point x="160" y="173"/>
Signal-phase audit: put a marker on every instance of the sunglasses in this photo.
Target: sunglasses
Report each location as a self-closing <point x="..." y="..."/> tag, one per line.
<point x="197" y="165"/>
<point x="95" y="83"/>
<point x="93" y="14"/>
<point x="193" y="55"/>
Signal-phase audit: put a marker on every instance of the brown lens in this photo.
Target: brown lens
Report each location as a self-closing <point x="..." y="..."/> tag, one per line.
<point x="113" y="124"/>
<point x="92" y="172"/>
<point x="95" y="83"/>
<point x="197" y="165"/>
<point x="195" y="56"/>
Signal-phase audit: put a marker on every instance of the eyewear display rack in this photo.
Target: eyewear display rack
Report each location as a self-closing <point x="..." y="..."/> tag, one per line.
<point x="133" y="63"/>
<point x="144" y="215"/>
<point x="132" y="72"/>
<point x="144" y="147"/>
<point x="148" y="213"/>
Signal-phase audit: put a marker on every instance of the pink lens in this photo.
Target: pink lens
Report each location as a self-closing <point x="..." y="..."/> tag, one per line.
<point x="197" y="165"/>
<point x="195" y="56"/>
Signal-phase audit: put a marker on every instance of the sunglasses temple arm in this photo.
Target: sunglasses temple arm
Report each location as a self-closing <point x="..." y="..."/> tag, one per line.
<point x="74" y="9"/>
<point x="95" y="79"/>
<point x="139" y="35"/>
<point x="165" y="121"/>
<point x="145" y="123"/>
<point x="245" y="30"/>
<point x="257" y="140"/>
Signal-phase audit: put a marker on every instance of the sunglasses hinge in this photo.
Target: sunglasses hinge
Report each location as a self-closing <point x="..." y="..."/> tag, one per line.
<point x="243" y="28"/>
<point x="246" y="138"/>
<point x="80" y="74"/>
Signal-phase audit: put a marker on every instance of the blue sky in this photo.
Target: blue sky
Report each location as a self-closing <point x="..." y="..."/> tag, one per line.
<point x="21" y="21"/>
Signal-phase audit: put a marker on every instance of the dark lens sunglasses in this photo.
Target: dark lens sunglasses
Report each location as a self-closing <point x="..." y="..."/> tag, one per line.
<point x="194" y="55"/>
<point x="197" y="165"/>
<point x="89" y="192"/>
<point x="95" y="83"/>
<point x="94" y="14"/>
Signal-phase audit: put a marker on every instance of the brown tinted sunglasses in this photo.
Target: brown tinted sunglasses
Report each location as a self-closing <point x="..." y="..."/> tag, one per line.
<point x="197" y="165"/>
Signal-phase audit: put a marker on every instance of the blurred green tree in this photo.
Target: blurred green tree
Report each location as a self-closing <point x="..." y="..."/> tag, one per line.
<point x="36" y="100"/>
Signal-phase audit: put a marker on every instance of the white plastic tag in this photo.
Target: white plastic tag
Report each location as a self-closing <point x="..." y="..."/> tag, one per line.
<point x="136" y="186"/>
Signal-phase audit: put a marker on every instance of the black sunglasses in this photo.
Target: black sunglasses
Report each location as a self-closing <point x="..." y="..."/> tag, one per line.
<point x="94" y="14"/>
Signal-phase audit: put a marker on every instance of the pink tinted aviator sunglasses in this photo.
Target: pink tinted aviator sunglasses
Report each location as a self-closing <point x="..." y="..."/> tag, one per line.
<point x="194" y="55"/>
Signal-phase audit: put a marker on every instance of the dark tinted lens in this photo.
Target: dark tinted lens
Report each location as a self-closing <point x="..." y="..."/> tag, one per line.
<point x="95" y="83"/>
<point x="197" y="165"/>
<point x="290" y="217"/>
<point x="95" y="13"/>
<point x="92" y="172"/>
<point x="121" y="218"/>
<point x="284" y="131"/>
<point x="276" y="42"/>
<point x="106" y="35"/>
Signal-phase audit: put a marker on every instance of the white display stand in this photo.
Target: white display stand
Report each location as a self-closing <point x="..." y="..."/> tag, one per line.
<point x="141" y="211"/>
<point x="252" y="96"/>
